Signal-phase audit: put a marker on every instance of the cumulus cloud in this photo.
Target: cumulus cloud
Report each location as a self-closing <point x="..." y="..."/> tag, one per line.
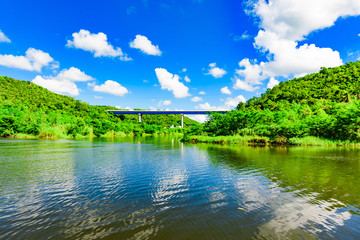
<point x="184" y="69"/>
<point x="239" y="84"/>
<point x="57" y="86"/>
<point x="111" y="87"/>
<point x="293" y="19"/>
<point x="283" y="23"/>
<point x="74" y="74"/>
<point x="225" y="90"/>
<point x="207" y="106"/>
<point x="202" y="93"/>
<point x="4" y="38"/>
<point x="171" y="82"/>
<point x="144" y="44"/>
<point x="233" y="102"/>
<point x="229" y="104"/>
<point x="34" y="60"/>
<point x="165" y="103"/>
<point x="272" y="83"/>
<point x="215" y="71"/>
<point x="96" y="44"/>
<point x="198" y="118"/>
<point x="196" y="99"/>
<point x="187" y="79"/>
<point x="291" y="59"/>
<point x="64" y="82"/>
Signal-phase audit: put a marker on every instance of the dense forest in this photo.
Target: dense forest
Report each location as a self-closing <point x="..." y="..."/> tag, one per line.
<point x="27" y="109"/>
<point x="324" y="105"/>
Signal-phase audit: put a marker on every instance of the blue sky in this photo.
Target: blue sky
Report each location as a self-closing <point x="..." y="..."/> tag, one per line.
<point x="137" y="53"/>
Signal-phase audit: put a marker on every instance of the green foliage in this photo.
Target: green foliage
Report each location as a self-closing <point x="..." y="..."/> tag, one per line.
<point x="324" y="105"/>
<point x="28" y="109"/>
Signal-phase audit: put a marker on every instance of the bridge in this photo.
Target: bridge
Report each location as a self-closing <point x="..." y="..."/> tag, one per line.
<point x="181" y="112"/>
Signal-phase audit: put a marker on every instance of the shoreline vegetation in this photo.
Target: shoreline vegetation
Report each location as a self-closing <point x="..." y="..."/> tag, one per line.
<point x="28" y="110"/>
<point x="315" y="110"/>
<point x="318" y="109"/>
<point x="264" y="141"/>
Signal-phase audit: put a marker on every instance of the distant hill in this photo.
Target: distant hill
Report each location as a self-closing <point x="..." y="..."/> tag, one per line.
<point x="26" y="108"/>
<point x="338" y="84"/>
<point x="324" y="104"/>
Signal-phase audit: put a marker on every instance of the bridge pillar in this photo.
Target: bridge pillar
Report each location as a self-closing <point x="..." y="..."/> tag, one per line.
<point x="140" y="117"/>
<point x="182" y="120"/>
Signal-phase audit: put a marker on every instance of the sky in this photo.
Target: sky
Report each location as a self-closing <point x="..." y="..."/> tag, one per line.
<point x="167" y="54"/>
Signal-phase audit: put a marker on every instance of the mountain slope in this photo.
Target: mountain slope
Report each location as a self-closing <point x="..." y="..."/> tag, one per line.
<point x="324" y="104"/>
<point x="338" y="84"/>
<point x="26" y="108"/>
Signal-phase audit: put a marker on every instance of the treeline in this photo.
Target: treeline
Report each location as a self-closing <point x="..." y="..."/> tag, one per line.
<point x="324" y="105"/>
<point x="28" y="109"/>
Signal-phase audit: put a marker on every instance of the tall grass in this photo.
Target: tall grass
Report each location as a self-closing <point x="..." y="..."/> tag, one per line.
<point x="257" y="140"/>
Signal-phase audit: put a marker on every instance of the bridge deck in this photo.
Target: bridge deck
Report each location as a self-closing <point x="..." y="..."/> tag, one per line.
<point x="165" y="112"/>
<point x="141" y="112"/>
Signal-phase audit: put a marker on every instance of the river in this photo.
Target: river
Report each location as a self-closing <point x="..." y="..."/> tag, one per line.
<point x="160" y="188"/>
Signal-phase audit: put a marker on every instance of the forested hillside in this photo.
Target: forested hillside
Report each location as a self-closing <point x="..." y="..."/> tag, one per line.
<point x="28" y="109"/>
<point x="324" y="104"/>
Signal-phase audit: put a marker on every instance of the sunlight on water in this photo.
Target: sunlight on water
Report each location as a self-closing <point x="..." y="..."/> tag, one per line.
<point x="157" y="187"/>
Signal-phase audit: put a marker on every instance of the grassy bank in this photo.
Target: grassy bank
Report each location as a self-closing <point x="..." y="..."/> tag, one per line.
<point x="52" y="134"/>
<point x="256" y="140"/>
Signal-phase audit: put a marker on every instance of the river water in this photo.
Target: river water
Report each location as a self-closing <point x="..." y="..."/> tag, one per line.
<point x="159" y="188"/>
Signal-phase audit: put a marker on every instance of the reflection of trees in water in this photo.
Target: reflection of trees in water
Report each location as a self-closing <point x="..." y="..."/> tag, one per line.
<point x="327" y="174"/>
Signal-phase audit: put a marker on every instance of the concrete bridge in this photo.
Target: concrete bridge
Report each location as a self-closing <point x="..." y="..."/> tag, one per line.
<point x="181" y="112"/>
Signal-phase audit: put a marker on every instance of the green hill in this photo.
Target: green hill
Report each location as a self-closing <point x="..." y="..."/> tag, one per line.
<point x="339" y="84"/>
<point x="28" y="109"/>
<point x="324" y="104"/>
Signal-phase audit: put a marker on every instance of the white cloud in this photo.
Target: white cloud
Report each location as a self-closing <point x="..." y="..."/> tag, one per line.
<point x="229" y="104"/>
<point x="272" y="83"/>
<point x="359" y="34"/>
<point x="239" y="84"/>
<point x="233" y="102"/>
<point x="250" y="72"/>
<point x="291" y="59"/>
<point x="165" y="103"/>
<point x="283" y="24"/>
<point x="196" y="99"/>
<point x="99" y="97"/>
<point x="198" y="118"/>
<point x="64" y="82"/>
<point x="187" y="79"/>
<point x="74" y="75"/>
<point x="57" y="86"/>
<point x="34" y="60"/>
<point x="4" y="38"/>
<point x="216" y="72"/>
<point x="144" y="44"/>
<point x="184" y="70"/>
<point x="111" y="87"/>
<point x="202" y="93"/>
<point x="96" y="44"/>
<point x="171" y="82"/>
<point x="243" y="36"/>
<point x="293" y="19"/>
<point x="225" y="90"/>
<point x="207" y="106"/>
<point x="118" y="107"/>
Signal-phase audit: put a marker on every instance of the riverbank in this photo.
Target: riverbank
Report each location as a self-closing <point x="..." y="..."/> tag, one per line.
<point x="257" y="140"/>
<point x="110" y="134"/>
